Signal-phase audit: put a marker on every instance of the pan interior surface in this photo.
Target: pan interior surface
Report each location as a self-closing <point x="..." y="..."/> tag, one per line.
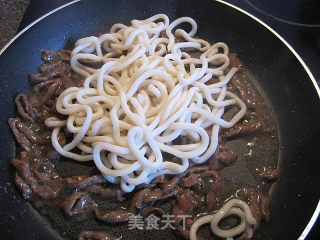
<point x="285" y="84"/>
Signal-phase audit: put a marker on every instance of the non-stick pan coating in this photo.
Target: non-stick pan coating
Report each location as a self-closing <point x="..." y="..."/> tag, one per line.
<point x="285" y="83"/>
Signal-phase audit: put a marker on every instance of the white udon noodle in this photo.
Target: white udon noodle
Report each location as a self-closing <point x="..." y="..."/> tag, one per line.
<point x="232" y="207"/>
<point x="148" y="92"/>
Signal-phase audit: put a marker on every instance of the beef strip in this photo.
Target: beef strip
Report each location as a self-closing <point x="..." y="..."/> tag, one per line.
<point x="90" y="63"/>
<point x="223" y="157"/>
<point x="55" y="71"/>
<point x="20" y="137"/>
<point x="105" y="192"/>
<point x="147" y="195"/>
<point x="39" y="86"/>
<point x="51" y="92"/>
<point x="37" y="78"/>
<point x="244" y="127"/>
<point x="81" y="182"/>
<point x="47" y="67"/>
<point x="169" y="185"/>
<point x="23" y="168"/>
<point x="210" y="200"/>
<point x="44" y="191"/>
<point x="245" y="94"/>
<point x="94" y="235"/>
<point x="159" y="194"/>
<point x="76" y="203"/>
<point x="53" y="56"/>
<point x="268" y="173"/>
<point x="23" y="187"/>
<point x="25" y="108"/>
<point x="113" y="216"/>
<point x="137" y="200"/>
<point x="234" y="60"/>
<point x="186" y="202"/>
<point x="147" y="210"/>
<point x="199" y="180"/>
<point x="197" y="169"/>
<point x="259" y="205"/>
<point x="31" y="135"/>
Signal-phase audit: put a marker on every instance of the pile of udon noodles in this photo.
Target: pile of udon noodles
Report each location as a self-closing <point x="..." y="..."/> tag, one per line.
<point x="148" y="93"/>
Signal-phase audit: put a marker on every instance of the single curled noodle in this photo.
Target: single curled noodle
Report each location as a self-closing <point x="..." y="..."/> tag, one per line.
<point x="232" y="207"/>
<point x="148" y="93"/>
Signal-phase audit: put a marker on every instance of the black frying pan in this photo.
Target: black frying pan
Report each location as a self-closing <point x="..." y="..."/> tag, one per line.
<point x="283" y="78"/>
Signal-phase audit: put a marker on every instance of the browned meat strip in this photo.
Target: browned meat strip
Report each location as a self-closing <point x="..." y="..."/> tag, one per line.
<point x="197" y="169"/>
<point x="159" y="194"/>
<point x="153" y="195"/>
<point x="76" y="203"/>
<point x="113" y="216"/>
<point x="94" y="235"/>
<point x="46" y="67"/>
<point x="141" y="198"/>
<point x="243" y="128"/>
<point x="81" y="182"/>
<point x="25" y="108"/>
<point x="66" y="81"/>
<point x="39" y="86"/>
<point x="186" y="202"/>
<point x="168" y="185"/>
<point x="24" y="188"/>
<point x="105" y="192"/>
<point x="264" y="205"/>
<point x="191" y="180"/>
<point x="21" y="138"/>
<point x="37" y="78"/>
<point x="50" y="56"/>
<point x="23" y="168"/>
<point x="268" y="173"/>
<point x="29" y="133"/>
<point x="51" y="92"/>
<point x="223" y="157"/>
<point x="146" y="211"/>
<point x="90" y="63"/>
<point x="245" y="94"/>
<point x="199" y="180"/>
<point x="210" y="200"/>
<point x="234" y="61"/>
<point x="55" y="71"/>
<point x="137" y="200"/>
<point x="66" y="55"/>
<point x="259" y="205"/>
<point x="44" y="191"/>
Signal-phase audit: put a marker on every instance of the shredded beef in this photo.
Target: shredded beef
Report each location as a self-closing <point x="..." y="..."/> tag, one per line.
<point x="113" y="216"/>
<point x="94" y="235"/>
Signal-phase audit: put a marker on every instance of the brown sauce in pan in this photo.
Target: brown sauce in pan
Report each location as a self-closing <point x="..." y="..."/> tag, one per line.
<point x="80" y="203"/>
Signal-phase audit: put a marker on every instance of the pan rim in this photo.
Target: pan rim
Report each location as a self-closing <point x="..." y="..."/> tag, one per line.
<point x="316" y="212"/>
